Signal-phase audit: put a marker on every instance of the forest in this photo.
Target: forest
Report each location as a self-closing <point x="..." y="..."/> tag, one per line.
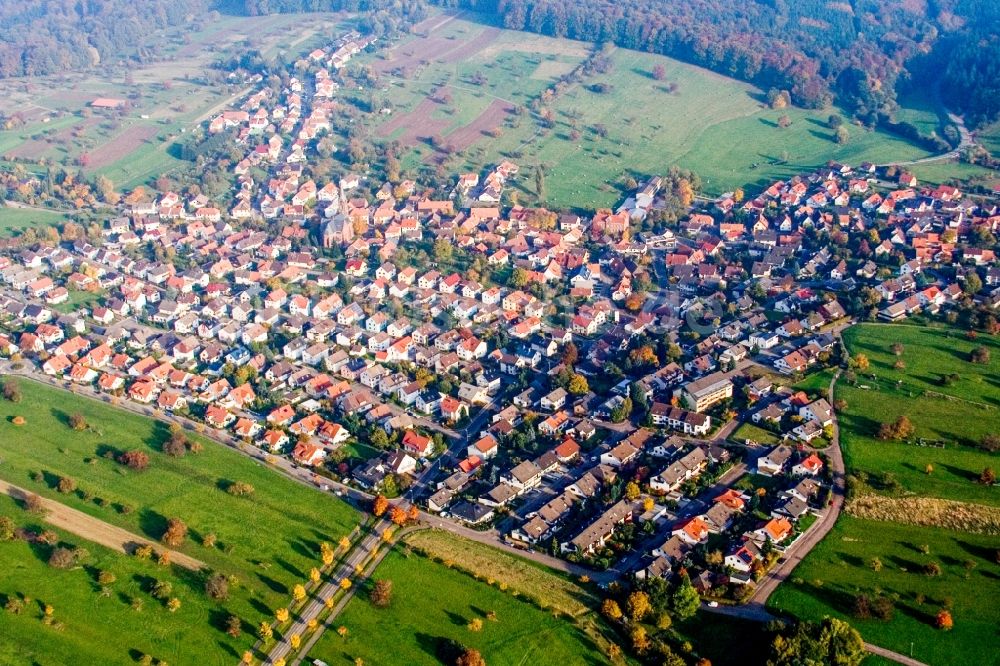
<point x="42" y="37"/>
<point x="39" y="37"/>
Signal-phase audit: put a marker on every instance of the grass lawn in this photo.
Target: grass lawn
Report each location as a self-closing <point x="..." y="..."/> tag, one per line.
<point x="839" y="568"/>
<point x="79" y="299"/>
<point x="753" y="482"/>
<point x="101" y="629"/>
<point x="360" y="451"/>
<point x="17" y="219"/>
<point x="756" y="433"/>
<point x="929" y="353"/>
<point x="268" y="540"/>
<point x="432" y="605"/>
<point x="816" y="383"/>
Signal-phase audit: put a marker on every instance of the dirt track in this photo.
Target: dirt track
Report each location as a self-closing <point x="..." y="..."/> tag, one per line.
<point x="96" y="530"/>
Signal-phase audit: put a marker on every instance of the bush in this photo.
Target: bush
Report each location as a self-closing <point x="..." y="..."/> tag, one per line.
<point x="902" y="428"/>
<point x="6" y="528"/>
<point x="980" y="355"/>
<point x="175" y="448"/>
<point x="175" y="533"/>
<point x="134" y="459"/>
<point x="33" y="504"/>
<point x="883" y="608"/>
<point x="11" y="390"/>
<point x="77" y="422"/>
<point x="162" y="589"/>
<point x="217" y="587"/>
<point x="381" y="595"/>
<point x="62" y="558"/>
<point x="240" y="489"/>
<point x="66" y="485"/>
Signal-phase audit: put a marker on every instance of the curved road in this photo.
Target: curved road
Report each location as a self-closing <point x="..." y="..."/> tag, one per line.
<point x="756" y="608"/>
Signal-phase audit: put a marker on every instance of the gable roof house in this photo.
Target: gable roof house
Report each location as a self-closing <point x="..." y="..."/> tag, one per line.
<point x="774" y="461"/>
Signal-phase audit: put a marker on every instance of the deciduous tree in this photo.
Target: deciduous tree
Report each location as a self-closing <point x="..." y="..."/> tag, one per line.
<point x="176" y="532"/>
<point x="380" y="505"/>
<point x="381" y="595"/>
<point x="134" y="459"/>
<point x="217" y="586"/>
<point x="637" y="606"/>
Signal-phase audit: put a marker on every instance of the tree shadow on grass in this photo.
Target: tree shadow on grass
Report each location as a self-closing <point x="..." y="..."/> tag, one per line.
<point x="228" y="649"/>
<point x="107" y="451"/>
<point x="152" y="524"/>
<point x="322" y="536"/>
<point x="145" y="582"/>
<point x="961" y="473"/>
<point x="445" y="650"/>
<point x="852" y="560"/>
<point x="308" y="549"/>
<point x="456" y="619"/>
<point x="289" y="567"/>
<point x="917" y="614"/>
<point x="50" y="479"/>
<point x="260" y="607"/>
<point x="906" y="565"/>
<point x="950" y="561"/>
<point x="981" y="552"/>
<point x="272" y="584"/>
<point x="60" y="416"/>
<point x="838" y="600"/>
<point x="821" y="135"/>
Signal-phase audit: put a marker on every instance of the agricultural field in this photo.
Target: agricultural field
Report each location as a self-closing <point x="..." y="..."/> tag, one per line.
<point x="165" y="99"/>
<point x="959" y="414"/>
<point x="840" y="567"/>
<point x="464" y="86"/>
<point x="432" y="605"/>
<point x="268" y="540"/>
